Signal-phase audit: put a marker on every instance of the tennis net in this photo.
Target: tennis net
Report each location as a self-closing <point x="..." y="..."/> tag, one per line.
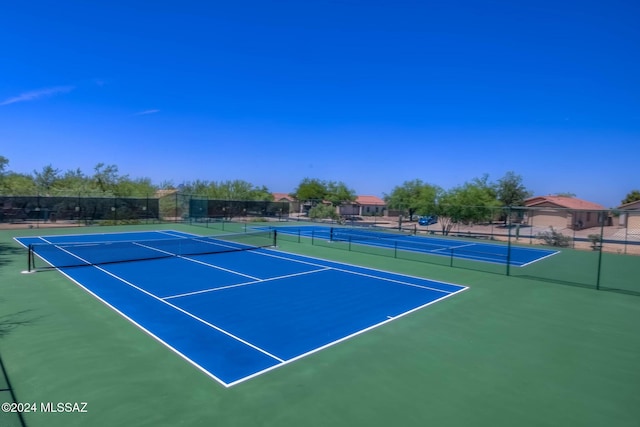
<point x="67" y="255"/>
<point x="352" y="234"/>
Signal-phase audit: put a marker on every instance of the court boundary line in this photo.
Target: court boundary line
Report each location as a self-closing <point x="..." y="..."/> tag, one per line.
<point x="364" y="274"/>
<point x="276" y="253"/>
<point x="345" y="338"/>
<point x="99" y="234"/>
<point x="540" y="259"/>
<point x="237" y="285"/>
<point x="433" y="252"/>
<point x="211" y="325"/>
<point x="197" y="261"/>
<point x="145" y="330"/>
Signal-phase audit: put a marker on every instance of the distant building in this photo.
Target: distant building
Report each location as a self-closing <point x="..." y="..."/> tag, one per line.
<point x="629" y="216"/>
<point x="294" y="205"/>
<point x="363" y="206"/>
<point x="564" y="212"/>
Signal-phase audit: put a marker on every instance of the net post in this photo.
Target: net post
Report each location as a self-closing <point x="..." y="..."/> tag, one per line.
<point x="275" y="238"/>
<point x="29" y="257"/>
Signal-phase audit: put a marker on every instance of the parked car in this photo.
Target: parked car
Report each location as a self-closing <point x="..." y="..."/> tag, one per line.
<point x="428" y="220"/>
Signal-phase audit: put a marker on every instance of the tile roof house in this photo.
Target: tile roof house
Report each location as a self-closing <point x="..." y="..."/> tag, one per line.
<point x="564" y="212"/>
<point x="363" y="206"/>
<point x="629" y="216"/>
<point x="294" y="205"/>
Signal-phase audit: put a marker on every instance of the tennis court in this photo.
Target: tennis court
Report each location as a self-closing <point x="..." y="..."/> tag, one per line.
<point x="229" y="304"/>
<point x="461" y="249"/>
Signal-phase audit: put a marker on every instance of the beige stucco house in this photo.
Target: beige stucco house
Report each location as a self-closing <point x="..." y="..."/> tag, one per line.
<point x="363" y="206"/>
<point x="564" y="212"/>
<point x="629" y="216"/>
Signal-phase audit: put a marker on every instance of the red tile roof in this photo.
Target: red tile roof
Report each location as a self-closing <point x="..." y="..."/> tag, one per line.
<point x="282" y="196"/>
<point x="563" y="202"/>
<point x="370" y="200"/>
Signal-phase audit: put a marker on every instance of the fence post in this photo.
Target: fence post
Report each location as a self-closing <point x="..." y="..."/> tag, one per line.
<point x="600" y="249"/>
<point x="176" y="210"/>
<point x="509" y="241"/>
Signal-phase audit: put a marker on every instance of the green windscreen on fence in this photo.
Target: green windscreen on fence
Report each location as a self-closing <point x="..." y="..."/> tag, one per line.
<point x="57" y="209"/>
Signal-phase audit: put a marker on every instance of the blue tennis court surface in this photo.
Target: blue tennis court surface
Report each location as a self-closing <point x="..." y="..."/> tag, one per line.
<point x="462" y="249"/>
<point x="235" y="315"/>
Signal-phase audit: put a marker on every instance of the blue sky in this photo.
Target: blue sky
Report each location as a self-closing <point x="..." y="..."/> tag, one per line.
<point x="371" y="93"/>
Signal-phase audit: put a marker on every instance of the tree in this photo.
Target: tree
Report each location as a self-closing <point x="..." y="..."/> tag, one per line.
<point x="73" y="182"/>
<point x="566" y="194"/>
<point x="18" y="184"/>
<point x="139" y="187"/>
<point x="105" y="178"/>
<point x="511" y="191"/>
<point x="414" y="197"/>
<point x="338" y="193"/>
<point x="46" y="179"/>
<point x="471" y="202"/>
<point x="226" y="190"/>
<point x="238" y="190"/>
<point x="633" y="196"/>
<point x="310" y="189"/>
<point x="3" y="164"/>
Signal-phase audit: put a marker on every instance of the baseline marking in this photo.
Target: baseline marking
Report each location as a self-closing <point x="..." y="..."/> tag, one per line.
<point x="315" y="350"/>
<point x="539" y="259"/>
<point x="211" y="325"/>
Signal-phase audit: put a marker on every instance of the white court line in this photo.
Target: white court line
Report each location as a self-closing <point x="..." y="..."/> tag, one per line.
<point x="360" y="274"/>
<point x="169" y="233"/>
<point x="193" y="316"/>
<point x="282" y="362"/>
<point x="315" y="350"/>
<point x="268" y="253"/>
<point x="246" y="283"/>
<point x="539" y="259"/>
<point x="453" y="247"/>
<point x="198" y="261"/>
<point x="145" y="330"/>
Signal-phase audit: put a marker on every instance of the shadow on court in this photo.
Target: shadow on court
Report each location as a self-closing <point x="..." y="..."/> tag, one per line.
<point x="8" y="252"/>
<point x="9" y="323"/>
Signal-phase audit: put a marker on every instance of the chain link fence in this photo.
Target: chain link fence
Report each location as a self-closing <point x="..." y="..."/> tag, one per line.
<point x="591" y="248"/>
<point x="65" y="210"/>
<point x="193" y="208"/>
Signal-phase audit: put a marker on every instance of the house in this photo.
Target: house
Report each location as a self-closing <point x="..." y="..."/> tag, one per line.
<point x="629" y="216"/>
<point x="363" y="206"/>
<point x="294" y="205"/>
<point x="564" y="212"/>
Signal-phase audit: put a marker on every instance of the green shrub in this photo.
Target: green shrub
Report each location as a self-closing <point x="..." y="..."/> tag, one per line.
<point x="554" y="238"/>
<point x="322" y="212"/>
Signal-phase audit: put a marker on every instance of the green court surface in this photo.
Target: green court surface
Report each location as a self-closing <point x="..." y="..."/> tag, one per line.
<point x="509" y="351"/>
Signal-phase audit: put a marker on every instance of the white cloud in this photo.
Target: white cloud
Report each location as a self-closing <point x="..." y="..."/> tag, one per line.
<point x="144" y="113"/>
<point x="37" y="94"/>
